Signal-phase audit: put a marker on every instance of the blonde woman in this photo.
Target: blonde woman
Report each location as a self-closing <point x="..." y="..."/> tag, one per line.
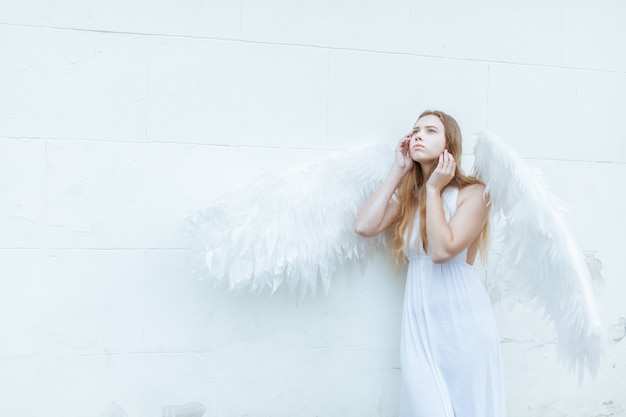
<point x="449" y="347"/>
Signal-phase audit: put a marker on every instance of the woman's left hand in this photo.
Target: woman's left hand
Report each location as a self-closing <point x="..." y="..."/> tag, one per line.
<point x="443" y="173"/>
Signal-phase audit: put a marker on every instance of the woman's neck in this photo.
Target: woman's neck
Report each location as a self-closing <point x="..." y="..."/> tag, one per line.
<point x="427" y="169"/>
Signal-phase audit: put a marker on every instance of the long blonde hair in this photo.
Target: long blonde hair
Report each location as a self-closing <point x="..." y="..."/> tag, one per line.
<point x="412" y="196"/>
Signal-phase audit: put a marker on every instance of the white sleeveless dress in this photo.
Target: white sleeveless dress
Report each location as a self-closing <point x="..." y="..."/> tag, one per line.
<point x="449" y="348"/>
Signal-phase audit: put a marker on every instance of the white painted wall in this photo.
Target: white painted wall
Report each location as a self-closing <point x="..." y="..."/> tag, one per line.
<point x="120" y="118"/>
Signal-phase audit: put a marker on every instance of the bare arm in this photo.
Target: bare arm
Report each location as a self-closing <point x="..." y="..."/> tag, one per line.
<point x="380" y="211"/>
<point x="446" y="240"/>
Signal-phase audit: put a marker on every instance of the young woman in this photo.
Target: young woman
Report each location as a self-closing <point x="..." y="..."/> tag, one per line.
<point x="449" y="347"/>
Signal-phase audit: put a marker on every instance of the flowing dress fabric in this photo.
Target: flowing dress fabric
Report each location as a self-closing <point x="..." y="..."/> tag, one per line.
<point x="449" y="348"/>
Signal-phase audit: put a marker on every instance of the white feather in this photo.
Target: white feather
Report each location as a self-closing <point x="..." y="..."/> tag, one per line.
<point x="540" y="252"/>
<point x="294" y="227"/>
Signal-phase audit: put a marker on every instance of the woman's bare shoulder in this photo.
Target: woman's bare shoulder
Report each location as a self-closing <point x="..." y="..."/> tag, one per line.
<point x="473" y="192"/>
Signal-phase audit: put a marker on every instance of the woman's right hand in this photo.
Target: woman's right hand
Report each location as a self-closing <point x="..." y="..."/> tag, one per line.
<point x="403" y="159"/>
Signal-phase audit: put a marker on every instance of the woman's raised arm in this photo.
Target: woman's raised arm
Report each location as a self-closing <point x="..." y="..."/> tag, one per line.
<point x="380" y="211"/>
<point x="446" y="240"/>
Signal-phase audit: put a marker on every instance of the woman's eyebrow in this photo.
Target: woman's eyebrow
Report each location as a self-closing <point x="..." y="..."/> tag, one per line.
<point x="425" y="127"/>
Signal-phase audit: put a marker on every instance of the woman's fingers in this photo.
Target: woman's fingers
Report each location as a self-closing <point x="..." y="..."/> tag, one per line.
<point x="446" y="164"/>
<point x="449" y="160"/>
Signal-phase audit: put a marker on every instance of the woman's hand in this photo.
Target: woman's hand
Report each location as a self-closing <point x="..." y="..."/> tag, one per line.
<point x="403" y="159"/>
<point x="443" y="173"/>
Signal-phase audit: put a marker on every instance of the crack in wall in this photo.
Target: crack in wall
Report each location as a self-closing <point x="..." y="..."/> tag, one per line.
<point x="618" y="331"/>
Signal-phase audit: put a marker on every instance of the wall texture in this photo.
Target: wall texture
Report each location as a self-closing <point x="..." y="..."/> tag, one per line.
<point x="118" y="119"/>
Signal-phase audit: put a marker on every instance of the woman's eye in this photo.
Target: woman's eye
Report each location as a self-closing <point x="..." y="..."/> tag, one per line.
<point x="431" y="130"/>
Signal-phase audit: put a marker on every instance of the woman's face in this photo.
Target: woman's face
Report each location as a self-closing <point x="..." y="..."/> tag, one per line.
<point x="428" y="140"/>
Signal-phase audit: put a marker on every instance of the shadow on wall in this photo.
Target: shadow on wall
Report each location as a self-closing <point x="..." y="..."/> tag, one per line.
<point x="193" y="409"/>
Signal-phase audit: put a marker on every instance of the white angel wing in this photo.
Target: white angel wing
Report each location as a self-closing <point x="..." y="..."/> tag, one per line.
<point x="295" y="226"/>
<point x="540" y="252"/>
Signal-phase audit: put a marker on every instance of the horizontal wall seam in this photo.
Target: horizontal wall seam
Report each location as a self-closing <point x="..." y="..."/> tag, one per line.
<point x="209" y="38"/>
<point x="92" y="249"/>
<point x="257" y="147"/>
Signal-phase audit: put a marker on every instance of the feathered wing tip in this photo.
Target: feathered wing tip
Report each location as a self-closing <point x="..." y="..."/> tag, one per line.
<point x="294" y="227"/>
<point x="540" y="252"/>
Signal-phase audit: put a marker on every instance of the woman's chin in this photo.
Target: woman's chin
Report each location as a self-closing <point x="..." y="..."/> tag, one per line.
<point x="421" y="159"/>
